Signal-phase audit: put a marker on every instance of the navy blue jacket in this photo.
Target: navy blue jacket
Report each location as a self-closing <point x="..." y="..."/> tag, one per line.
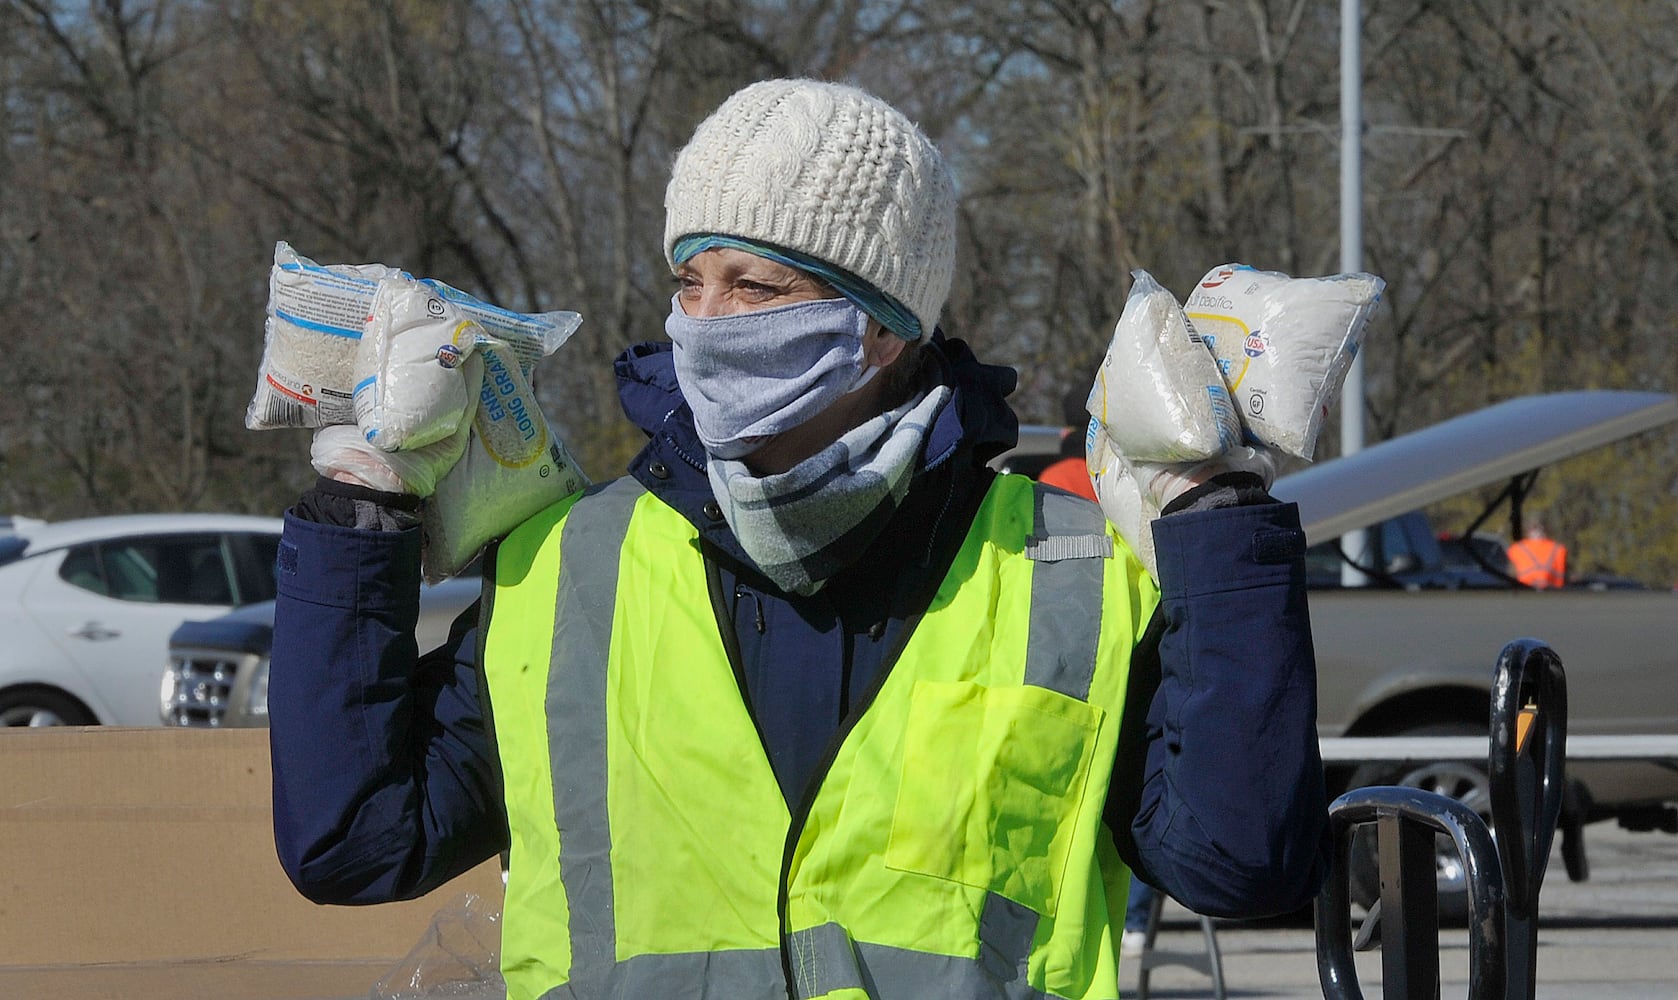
<point x="386" y="783"/>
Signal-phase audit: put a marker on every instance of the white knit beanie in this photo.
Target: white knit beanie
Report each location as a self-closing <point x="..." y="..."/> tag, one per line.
<point x="828" y="171"/>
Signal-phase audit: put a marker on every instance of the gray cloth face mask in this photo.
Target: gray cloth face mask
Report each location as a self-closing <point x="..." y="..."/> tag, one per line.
<point x="751" y="375"/>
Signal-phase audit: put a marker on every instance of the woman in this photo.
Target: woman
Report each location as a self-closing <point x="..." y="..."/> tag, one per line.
<point x="811" y="702"/>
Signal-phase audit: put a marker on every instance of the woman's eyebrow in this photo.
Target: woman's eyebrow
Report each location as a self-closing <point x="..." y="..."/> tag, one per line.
<point x="782" y="277"/>
<point x="781" y="274"/>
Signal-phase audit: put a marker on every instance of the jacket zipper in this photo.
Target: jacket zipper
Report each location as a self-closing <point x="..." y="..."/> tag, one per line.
<point x="930" y="584"/>
<point x="808" y="799"/>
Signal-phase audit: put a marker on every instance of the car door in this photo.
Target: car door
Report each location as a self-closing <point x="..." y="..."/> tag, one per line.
<point x="111" y="605"/>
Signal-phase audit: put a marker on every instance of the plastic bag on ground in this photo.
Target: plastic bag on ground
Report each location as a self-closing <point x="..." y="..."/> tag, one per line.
<point x="1158" y="393"/>
<point x="1283" y="344"/>
<point x="459" y="957"/>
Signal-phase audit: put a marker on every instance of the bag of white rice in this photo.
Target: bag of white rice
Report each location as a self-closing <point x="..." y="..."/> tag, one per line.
<point x="1121" y="497"/>
<point x="315" y="318"/>
<point x="408" y="394"/>
<point x="1158" y="394"/>
<point x="1283" y="344"/>
<point x="514" y="466"/>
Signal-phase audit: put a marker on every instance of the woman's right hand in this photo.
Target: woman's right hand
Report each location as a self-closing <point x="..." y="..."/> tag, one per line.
<point x="343" y="452"/>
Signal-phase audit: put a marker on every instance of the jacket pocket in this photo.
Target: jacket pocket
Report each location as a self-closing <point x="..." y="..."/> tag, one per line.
<point x="991" y="786"/>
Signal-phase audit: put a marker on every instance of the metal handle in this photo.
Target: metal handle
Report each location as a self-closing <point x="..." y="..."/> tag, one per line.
<point x="1526" y="763"/>
<point x="94" y="632"/>
<point x="1409" y="812"/>
<point x="1527" y="758"/>
<point x="1503" y="872"/>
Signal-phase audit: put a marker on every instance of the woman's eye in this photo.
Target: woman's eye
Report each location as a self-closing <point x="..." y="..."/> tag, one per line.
<point x="759" y="290"/>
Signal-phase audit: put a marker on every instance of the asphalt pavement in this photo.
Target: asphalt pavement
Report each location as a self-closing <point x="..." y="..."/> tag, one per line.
<point x="1611" y="937"/>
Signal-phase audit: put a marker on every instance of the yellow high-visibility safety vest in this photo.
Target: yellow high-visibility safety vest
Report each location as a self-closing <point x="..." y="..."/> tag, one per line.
<point x="953" y="845"/>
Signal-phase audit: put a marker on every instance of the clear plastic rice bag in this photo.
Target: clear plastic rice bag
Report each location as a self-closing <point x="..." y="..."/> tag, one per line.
<point x="371" y="346"/>
<point x="417" y="334"/>
<point x="1283" y="344"/>
<point x="513" y="467"/>
<point x="1158" y="393"/>
<point x="1127" y="506"/>
<point x="314" y="321"/>
<point x="316" y="316"/>
<point x="409" y="393"/>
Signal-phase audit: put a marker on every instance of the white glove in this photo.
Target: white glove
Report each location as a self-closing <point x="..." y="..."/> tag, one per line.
<point x="1166" y="482"/>
<point x="340" y="452"/>
<point x="343" y="452"/>
<point x="1133" y="494"/>
<point x="1129" y="507"/>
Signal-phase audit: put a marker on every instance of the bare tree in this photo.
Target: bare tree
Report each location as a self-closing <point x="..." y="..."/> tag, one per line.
<point x="1518" y="171"/>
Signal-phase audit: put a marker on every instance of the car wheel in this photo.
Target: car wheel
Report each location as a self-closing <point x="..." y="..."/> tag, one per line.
<point x="42" y="706"/>
<point x="1465" y="782"/>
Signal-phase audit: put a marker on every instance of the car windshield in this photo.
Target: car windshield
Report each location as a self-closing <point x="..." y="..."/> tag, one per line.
<point x="1477" y="552"/>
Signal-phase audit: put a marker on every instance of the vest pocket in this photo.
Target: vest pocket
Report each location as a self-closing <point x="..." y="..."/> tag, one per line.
<point x="991" y="784"/>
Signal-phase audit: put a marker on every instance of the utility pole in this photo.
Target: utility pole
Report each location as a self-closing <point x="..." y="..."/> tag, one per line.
<point x="1351" y="245"/>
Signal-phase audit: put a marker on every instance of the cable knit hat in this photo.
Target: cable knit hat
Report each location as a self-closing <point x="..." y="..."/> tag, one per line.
<point x="827" y="171"/>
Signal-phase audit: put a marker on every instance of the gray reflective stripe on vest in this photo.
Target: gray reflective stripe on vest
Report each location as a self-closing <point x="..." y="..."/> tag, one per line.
<point x="1069" y="544"/>
<point x="942" y="975"/>
<point x="701" y="975"/>
<point x="592" y="541"/>
<point x="1005" y="932"/>
<point x="825" y="960"/>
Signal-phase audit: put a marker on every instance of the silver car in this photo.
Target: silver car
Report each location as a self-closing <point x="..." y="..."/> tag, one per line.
<point x="86" y="607"/>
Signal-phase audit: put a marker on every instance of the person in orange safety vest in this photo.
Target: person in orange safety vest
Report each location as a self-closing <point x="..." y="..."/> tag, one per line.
<point x="1538" y="560"/>
<point x="1070" y="472"/>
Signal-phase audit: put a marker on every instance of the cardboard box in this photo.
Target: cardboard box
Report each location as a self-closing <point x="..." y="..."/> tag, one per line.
<point x="139" y="863"/>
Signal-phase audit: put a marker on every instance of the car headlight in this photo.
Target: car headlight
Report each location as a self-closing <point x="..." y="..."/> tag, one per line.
<point x="168" y="691"/>
<point x="259" y="688"/>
